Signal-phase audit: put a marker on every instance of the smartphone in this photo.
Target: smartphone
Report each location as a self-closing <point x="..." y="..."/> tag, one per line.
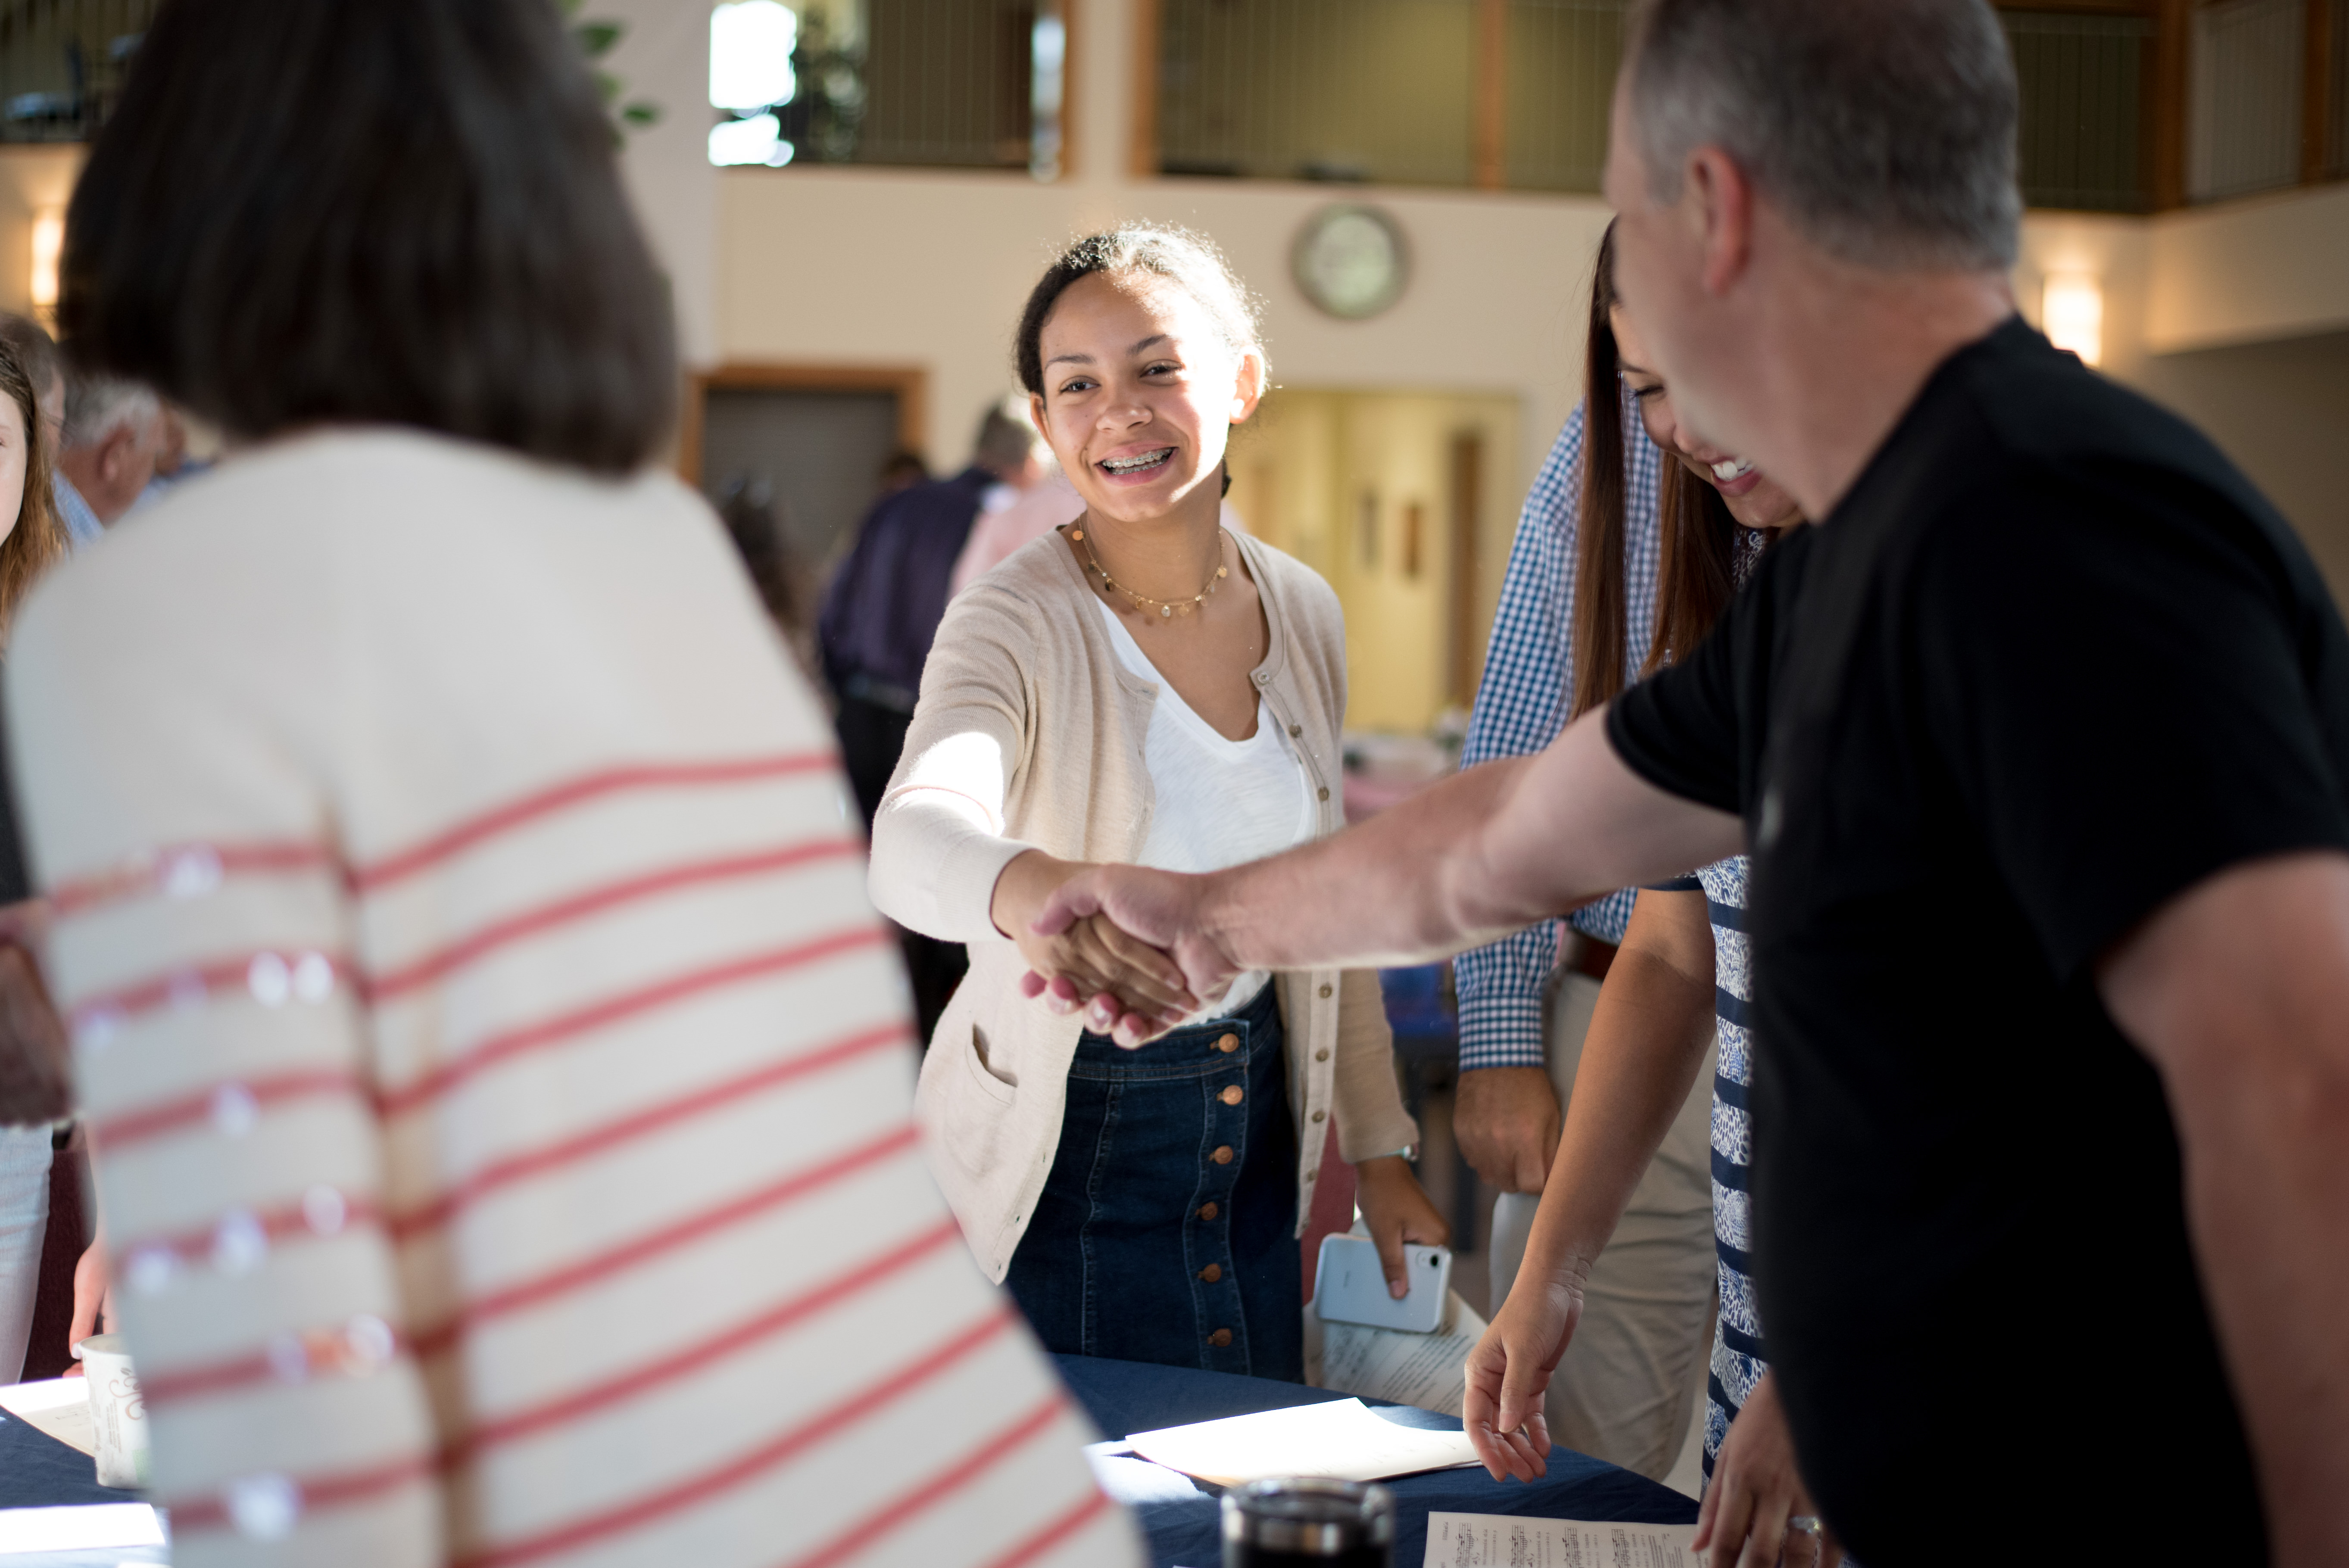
<point x="1353" y="1288"/>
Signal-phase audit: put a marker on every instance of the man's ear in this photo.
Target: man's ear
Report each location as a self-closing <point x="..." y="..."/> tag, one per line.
<point x="114" y="452"/>
<point x="1719" y="201"/>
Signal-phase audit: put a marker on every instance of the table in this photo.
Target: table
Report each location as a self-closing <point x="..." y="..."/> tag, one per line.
<point x="1181" y="1516"/>
<point x="38" y="1471"/>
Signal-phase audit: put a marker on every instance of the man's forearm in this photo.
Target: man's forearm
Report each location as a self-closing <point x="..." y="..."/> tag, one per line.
<point x="1484" y="853"/>
<point x="1376" y="895"/>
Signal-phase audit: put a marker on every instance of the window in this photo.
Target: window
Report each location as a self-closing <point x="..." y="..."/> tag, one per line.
<point x="970" y="84"/>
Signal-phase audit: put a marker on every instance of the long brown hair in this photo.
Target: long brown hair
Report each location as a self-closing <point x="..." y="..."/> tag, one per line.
<point x="38" y="538"/>
<point x="1696" y="569"/>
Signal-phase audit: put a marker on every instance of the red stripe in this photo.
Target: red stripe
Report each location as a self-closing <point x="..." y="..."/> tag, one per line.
<point x="163" y="1388"/>
<point x="990" y="1453"/>
<point x="595" y="1140"/>
<point x="551" y="1031"/>
<point x="277" y="1224"/>
<point x="188" y="1110"/>
<point x="671" y="1236"/>
<point x="232" y="974"/>
<point x="579" y="906"/>
<point x="1052" y="1534"/>
<point x="150" y="874"/>
<point x="860" y="1406"/>
<point x="504" y="819"/>
<point x="327" y="1491"/>
<point x="589" y="1400"/>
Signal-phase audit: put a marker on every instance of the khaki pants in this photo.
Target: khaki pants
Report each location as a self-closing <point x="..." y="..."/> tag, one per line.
<point x="1626" y="1390"/>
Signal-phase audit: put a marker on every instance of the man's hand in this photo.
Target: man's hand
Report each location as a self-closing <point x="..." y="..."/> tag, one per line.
<point x="1124" y="985"/>
<point x="1162" y="909"/>
<point x="1509" y="1371"/>
<point x="1755" y="1491"/>
<point x="1508" y="1124"/>
<point x="1397" y="1210"/>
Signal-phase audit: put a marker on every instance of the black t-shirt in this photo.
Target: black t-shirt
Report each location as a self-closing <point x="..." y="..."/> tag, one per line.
<point x="2050" y="662"/>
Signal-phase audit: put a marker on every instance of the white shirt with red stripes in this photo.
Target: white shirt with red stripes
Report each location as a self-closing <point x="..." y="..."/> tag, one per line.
<point x="500" y="1087"/>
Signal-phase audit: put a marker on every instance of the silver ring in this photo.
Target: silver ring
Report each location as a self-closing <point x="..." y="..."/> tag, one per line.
<point x="1805" y="1524"/>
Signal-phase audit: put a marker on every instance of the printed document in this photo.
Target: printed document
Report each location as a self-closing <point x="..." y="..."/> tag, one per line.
<point x="59" y="1408"/>
<point x="1504" y="1541"/>
<point x="1344" y="1439"/>
<point x="1429" y="1370"/>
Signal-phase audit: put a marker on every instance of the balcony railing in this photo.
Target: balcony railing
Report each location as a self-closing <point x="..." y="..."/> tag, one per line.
<point x="62" y="63"/>
<point x="2082" y="143"/>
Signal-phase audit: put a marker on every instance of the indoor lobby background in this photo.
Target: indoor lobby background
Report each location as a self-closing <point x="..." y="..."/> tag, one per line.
<point x="847" y="280"/>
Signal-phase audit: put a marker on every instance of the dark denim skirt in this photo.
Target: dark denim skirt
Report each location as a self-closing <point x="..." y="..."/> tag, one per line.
<point x="1167" y="1230"/>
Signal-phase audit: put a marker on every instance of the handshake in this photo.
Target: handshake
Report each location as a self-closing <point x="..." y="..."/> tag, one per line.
<point x="1135" y="950"/>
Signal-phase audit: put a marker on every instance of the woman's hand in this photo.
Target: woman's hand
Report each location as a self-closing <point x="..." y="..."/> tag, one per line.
<point x="1509" y="1371"/>
<point x="1398" y="1210"/>
<point x="93" y="1306"/>
<point x="1125" y="986"/>
<point x="1755" y="1490"/>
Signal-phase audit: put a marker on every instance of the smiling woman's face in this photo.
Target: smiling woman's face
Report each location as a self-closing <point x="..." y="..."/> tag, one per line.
<point x="1751" y="498"/>
<point x="1140" y="391"/>
<point x="12" y="464"/>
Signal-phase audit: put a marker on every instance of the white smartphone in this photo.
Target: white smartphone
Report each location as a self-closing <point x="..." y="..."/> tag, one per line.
<point x="1351" y="1287"/>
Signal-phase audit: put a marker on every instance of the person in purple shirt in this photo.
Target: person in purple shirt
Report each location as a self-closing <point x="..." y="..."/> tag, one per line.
<point x="879" y="614"/>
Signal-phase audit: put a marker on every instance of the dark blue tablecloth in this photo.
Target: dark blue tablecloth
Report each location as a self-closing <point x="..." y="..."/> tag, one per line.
<point x="38" y="1471"/>
<point x="1180" y="1514"/>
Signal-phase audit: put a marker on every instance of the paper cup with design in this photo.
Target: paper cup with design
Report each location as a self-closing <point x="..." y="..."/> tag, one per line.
<point x="115" y="1409"/>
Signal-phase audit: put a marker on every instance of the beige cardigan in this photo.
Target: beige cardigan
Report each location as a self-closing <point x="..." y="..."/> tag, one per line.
<point x="1029" y="736"/>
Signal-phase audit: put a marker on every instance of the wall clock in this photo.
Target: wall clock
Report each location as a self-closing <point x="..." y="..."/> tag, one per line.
<point x="1351" y="261"/>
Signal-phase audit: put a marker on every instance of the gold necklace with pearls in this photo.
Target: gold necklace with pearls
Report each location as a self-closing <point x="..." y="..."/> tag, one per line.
<point x="1167" y="608"/>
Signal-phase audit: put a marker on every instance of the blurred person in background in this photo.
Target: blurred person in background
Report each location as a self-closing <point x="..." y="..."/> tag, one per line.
<point x="499" y="1080"/>
<point x="1142" y="686"/>
<point x="36" y="1097"/>
<point x="880" y="614"/>
<point x="114" y="430"/>
<point x="901" y="469"/>
<point x="753" y="520"/>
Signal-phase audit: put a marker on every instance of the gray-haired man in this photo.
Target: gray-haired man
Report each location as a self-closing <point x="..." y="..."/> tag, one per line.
<point x="114" y="431"/>
<point x="2040" y="740"/>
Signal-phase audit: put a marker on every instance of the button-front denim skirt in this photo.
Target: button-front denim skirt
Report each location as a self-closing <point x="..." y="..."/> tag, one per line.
<point x="1167" y="1228"/>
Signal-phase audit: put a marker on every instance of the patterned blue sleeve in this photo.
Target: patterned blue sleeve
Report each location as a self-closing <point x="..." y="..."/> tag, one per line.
<point x="1521" y="705"/>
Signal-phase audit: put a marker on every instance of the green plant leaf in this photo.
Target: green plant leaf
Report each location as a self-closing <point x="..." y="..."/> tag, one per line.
<point x="641" y="114"/>
<point x="598" y="37"/>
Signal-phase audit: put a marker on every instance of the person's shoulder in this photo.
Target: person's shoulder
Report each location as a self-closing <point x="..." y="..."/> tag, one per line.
<point x="2044" y="413"/>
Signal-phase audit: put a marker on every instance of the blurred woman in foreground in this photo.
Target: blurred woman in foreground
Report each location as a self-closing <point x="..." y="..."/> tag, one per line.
<point x="496" y="1075"/>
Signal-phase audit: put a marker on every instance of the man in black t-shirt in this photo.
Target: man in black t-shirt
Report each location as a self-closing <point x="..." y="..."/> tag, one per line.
<point x="2040" y="741"/>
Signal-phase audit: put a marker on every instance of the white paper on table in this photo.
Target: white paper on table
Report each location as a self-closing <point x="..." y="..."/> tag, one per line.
<point x="94" y="1527"/>
<point x="1343" y="1439"/>
<point x="1506" y="1541"/>
<point x="1425" y="1369"/>
<point x="59" y="1408"/>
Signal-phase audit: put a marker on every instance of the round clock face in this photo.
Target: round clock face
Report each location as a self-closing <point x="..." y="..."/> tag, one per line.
<point x="1351" y="261"/>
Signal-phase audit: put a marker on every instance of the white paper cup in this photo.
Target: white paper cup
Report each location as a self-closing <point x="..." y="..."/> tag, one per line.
<point x="116" y="1410"/>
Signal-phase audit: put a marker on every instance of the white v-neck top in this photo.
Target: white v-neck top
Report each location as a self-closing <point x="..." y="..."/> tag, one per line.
<point x="1219" y="801"/>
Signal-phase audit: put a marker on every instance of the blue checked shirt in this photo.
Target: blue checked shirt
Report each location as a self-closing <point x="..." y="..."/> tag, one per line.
<point x="1522" y="703"/>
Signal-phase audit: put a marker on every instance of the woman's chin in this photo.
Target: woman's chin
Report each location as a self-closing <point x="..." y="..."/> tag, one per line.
<point x="1130" y="502"/>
